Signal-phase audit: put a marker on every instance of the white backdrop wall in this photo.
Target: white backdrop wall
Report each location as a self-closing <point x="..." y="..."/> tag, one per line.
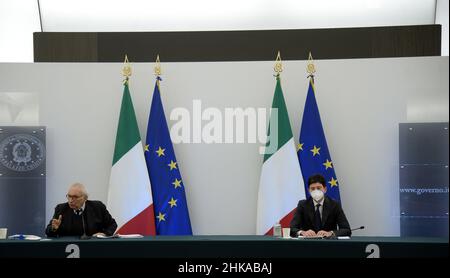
<point x="361" y="103"/>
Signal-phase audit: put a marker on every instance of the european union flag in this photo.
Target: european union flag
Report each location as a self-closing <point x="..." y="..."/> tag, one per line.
<point x="312" y="149"/>
<point x="169" y="198"/>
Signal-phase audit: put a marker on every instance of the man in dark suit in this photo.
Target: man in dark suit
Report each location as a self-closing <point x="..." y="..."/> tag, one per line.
<point x="80" y="216"/>
<point x="319" y="215"/>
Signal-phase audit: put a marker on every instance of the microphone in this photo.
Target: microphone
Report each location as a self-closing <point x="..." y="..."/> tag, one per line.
<point x="84" y="236"/>
<point x="354" y="229"/>
<point x="359" y="228"/>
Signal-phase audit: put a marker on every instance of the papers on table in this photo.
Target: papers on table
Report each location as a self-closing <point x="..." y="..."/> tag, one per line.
<point x="320" y="237"/>
<point x="119" y="236"/>
<point x="25" y="237"/>
<point x="130" y="236"/>
<point x="103" y="236"/>
<point x="33" y="237"/>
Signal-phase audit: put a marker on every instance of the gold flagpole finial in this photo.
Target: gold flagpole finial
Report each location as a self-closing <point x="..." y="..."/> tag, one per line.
<point x="310" y="67"/>
<point x="278" y="68"/>
<point x="126" y="70"/>
<point x="157" y="66"/>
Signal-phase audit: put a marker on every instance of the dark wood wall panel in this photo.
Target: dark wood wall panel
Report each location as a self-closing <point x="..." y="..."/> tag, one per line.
<point x="338" y="43"/>
<point x="65" y="47"/>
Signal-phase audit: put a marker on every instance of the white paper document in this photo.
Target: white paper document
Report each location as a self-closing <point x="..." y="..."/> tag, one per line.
<point x="130" y="236"/>
<point x="25" y="237"/>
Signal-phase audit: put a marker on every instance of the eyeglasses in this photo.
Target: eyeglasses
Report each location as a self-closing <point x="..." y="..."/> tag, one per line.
<point x="73" y="197"/>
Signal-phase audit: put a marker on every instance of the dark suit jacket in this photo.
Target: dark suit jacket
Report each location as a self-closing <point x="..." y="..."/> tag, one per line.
<point x="333" y="218"/>
<point x="96" y="220"/>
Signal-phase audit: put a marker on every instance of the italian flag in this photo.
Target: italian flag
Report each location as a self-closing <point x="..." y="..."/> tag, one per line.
<point x="281" y="183"/>
<point x="130" y="197"/>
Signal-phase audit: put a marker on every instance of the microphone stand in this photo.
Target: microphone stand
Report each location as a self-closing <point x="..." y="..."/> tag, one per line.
<point x="84" y="236"/>
<point x="335" y="237"/>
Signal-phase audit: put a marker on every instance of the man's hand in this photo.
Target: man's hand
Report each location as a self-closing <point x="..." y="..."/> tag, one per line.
<point x="324" y="233"/>
<point x="56" y="223"/>
<point x="308" y="233"/>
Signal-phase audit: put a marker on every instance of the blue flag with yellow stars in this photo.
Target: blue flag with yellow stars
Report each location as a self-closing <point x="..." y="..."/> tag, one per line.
<point x="312" y="149"/>
<point x="169" y="197"/>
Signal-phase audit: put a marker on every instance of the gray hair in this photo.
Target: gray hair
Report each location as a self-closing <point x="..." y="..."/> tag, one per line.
<point x="81" y="187"/>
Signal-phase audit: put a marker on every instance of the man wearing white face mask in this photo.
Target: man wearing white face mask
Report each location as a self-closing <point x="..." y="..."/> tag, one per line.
<point x="319" y="215"/>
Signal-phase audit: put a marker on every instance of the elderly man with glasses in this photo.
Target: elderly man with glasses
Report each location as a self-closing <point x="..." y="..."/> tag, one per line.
<point x="80" y="216"/>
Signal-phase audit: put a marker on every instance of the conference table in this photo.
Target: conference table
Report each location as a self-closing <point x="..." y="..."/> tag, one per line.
<point x="228" y="246"/>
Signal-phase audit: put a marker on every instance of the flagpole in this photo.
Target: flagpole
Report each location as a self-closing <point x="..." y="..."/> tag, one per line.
<point x="278" y="67"/>
<point x="173" y="219"/>
<point x="129" y="195"/>
<point x="281" y="183"/>
<point x="157" y="70"/>
<point x="126" y="70"/>
<point x="310" y="68"/>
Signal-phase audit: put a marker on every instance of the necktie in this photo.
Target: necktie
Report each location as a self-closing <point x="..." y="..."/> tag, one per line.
<point x="317" y="219"/>
<point x="79" y="211"/>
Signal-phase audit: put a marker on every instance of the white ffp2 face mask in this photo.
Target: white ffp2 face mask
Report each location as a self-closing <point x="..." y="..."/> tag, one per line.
<point x="317" y="195"/>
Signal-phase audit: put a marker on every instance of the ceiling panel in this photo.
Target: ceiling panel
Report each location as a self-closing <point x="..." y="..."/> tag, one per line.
<point x="197" y="15"/>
